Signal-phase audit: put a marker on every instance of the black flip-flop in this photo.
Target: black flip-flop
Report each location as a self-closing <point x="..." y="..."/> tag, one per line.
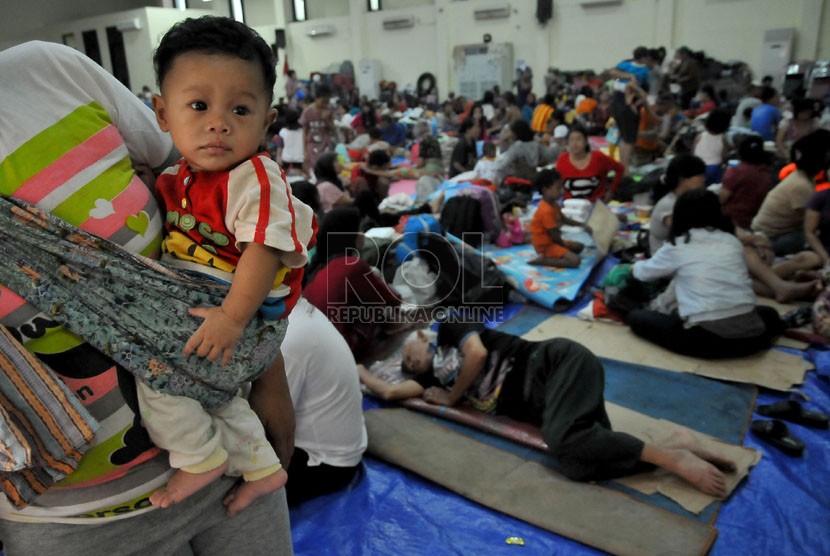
<point x="792" y="411"/>
<point x="776" y="433"/>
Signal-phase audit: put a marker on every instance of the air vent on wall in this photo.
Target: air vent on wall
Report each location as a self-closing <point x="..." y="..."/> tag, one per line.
<point x="597" y="3"/>
<point x="320" y="30"/>
<point x="133" y="24"/>
<point x="404" y="22"/>
<point x="492" y="13"/>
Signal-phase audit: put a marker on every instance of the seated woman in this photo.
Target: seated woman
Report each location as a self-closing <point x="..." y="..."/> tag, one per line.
<point x="817" y="224"/>
<point x="585" y="171"/>
<point x="804" y="121"/>
<point x="746" y="185"/>
<point x="330" y="436"/>
<point x="555" y="384"/>
<point x="711" y="144"/>
<point x="370" y="186"/>
<point x="429" y="163"/>
<point x="781" y="216"/>
<point x="329" y="185"/>
<point x="355" y="299"/>
<point x="463" y="157"/>
<point x="684" y="173"/>
<point x="706" y="100"/>
<point x="524" y="156"/>
<point x="717" y="316"/>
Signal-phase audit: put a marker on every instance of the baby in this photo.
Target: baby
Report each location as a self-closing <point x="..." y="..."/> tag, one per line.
<point x="228" y="213"/>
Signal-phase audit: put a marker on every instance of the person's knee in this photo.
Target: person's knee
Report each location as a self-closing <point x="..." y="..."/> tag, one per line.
<point x="638" y="319"/>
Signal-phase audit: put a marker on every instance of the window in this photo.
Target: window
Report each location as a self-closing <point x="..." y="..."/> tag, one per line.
<point x="374" y="5"/>
<point x="299" y="10"/>
<point x="236" y="10"/>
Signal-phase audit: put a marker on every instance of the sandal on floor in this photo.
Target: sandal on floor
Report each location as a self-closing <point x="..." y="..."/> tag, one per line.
<point x="776" y="433"/>
<point x="793" y="412"/>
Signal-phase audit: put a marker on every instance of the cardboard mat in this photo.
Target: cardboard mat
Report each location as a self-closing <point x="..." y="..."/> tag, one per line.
<point x="591" y="514"/>
<point x="656" y="431"/>
<point x="646" y="428"/>
<point x="772" y="369"/>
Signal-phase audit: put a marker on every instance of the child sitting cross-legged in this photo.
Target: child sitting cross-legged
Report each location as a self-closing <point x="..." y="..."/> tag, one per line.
<point x="546" y="226"/>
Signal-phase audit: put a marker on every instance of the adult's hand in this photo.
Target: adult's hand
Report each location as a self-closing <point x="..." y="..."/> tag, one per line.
<point x="437" y="396"/>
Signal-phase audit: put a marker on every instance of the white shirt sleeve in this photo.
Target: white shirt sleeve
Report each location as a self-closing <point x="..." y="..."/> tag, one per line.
<point x="662" y="264"/>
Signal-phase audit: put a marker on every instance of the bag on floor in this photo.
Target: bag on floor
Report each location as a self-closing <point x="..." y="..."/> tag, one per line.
<point x="490" y="207"/>
<point x="415" y="224"/>
<point x="461" y="217"/>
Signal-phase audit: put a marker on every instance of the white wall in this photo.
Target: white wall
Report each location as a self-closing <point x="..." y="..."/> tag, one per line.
<point x="575" y="38"/>
<point x="138" y="44"/>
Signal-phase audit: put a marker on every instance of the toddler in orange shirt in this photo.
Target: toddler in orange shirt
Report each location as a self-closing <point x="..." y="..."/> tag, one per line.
<point x="546" y="226"/>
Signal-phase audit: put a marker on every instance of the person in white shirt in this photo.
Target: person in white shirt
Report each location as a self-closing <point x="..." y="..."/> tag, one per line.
<point x="486" y="168"/>
<point x="290" y="156"/>
<point x="330" y="436"/>
<point x="716" y="312"/>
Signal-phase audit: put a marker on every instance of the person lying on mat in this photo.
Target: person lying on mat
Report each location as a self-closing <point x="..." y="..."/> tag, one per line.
<point x="556" y="384"/>
<point x="716" y="312"/>
<point x="546" y="226"/>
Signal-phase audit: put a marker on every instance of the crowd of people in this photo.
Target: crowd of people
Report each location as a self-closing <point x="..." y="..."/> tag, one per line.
<point x="272" y="200"/>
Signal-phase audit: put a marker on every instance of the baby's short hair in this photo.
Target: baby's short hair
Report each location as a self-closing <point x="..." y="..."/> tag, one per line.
<point x="215" y="35"/>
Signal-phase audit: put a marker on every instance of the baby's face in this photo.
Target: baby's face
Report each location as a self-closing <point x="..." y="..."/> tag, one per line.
<point x="216" y="109"/>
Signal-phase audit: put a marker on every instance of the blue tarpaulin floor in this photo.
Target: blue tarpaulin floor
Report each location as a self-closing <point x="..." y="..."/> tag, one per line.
<point x="782" y="508"/>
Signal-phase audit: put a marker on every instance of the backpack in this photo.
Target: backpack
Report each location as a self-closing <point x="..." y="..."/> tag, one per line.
<point x="466" y="276"/>
<point x="491" y="221"/>
<point x="461" y="217"/>
<point x="414" y="225"/>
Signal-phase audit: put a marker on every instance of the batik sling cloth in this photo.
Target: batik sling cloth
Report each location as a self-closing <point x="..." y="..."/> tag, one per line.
<point x="130" y="308"/>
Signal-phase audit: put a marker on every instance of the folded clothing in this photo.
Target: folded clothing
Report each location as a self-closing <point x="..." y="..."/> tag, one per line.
<point x="44" y="429"/>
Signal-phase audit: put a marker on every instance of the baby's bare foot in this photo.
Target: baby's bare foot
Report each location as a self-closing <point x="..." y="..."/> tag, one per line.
<point x="241" y="496"/>
<point x="183" y="484"/>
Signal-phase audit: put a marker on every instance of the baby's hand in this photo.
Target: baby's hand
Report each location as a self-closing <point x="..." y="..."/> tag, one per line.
<point x="216" y="337"/>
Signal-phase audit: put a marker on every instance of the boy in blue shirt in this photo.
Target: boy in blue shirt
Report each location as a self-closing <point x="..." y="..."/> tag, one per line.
<point x="765" y="117"/>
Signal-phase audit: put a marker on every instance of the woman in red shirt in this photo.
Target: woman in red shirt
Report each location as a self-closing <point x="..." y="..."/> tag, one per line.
<point x="585" y="172"/>
<point x="344" y="287"/>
